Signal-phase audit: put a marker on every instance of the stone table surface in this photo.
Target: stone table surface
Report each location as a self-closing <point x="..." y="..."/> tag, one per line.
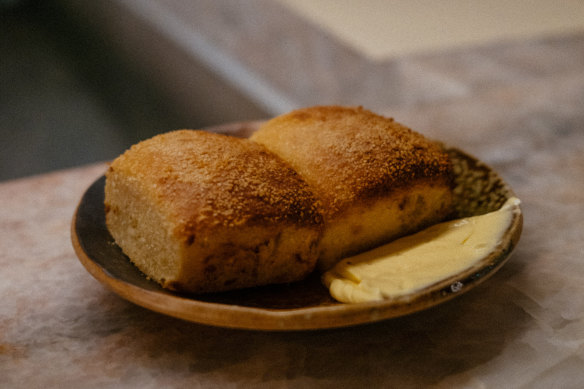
<point x="523" y="328"/>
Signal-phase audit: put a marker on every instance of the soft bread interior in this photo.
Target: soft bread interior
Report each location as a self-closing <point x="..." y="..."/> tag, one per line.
<point x="141" y="228"/>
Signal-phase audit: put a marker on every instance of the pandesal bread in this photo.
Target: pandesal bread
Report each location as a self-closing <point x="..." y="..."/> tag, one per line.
<point x="202" y="212"/>
<point x="375" y="179"/>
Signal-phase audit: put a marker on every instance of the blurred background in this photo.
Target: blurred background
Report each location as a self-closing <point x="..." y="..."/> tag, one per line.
<point x="80" y="81"/>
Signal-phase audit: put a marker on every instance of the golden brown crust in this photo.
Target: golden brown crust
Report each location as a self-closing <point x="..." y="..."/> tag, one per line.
<point x="202" y="212"/>
<point x="229" y="213"/>
<point x="351" y="154"/>
<point x="213" y="180"/>
<point x="375" y="178"/>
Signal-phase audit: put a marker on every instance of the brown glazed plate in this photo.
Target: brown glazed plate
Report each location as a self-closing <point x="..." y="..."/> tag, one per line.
<point x="302" y="305"/>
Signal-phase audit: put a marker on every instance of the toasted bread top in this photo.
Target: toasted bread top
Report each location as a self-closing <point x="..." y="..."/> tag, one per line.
<point x="350" y="154"/>
<point x="206" y="180"/>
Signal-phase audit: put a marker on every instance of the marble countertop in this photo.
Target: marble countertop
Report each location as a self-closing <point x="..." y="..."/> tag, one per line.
<point x="518" y="107"/>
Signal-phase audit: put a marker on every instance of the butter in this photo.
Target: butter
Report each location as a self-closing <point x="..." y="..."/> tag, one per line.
<point x="414" y="262"/>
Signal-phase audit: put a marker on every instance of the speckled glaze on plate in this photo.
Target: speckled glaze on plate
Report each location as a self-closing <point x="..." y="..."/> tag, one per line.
<point x="303" y="305"/>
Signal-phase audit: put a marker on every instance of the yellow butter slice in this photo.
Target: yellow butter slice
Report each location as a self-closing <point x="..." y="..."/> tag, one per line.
<point x="414" y="262"/>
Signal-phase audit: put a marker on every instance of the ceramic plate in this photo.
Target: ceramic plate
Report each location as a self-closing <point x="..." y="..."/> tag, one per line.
<point x="299" y="306"/>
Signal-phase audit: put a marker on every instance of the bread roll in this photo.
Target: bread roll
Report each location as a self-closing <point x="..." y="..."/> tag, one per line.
<point x="202" y="212"/>
<point x="375" y="179"/>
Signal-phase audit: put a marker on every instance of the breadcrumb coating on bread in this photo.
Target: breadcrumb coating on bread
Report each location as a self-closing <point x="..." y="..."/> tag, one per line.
<point x="350" y="154"/>
<point x="200" y="212"/>
<point x="213" y="180"/>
